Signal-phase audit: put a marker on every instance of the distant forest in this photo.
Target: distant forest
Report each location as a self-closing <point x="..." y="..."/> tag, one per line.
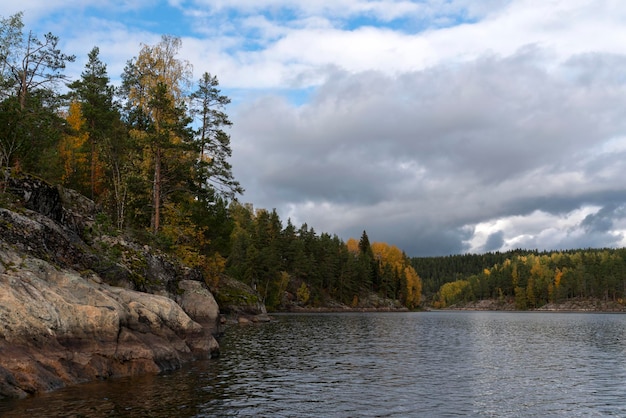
<point x="530" y="278"/>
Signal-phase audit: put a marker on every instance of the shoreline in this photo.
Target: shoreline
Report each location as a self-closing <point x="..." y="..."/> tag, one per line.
<point x="569" y="305"/>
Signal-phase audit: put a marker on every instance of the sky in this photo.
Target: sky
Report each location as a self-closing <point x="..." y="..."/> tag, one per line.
<point x="438" y="126"/>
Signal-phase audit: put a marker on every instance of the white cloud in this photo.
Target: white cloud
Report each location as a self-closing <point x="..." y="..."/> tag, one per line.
<point x="590" y="26"/>
<point x="536" y="229"/>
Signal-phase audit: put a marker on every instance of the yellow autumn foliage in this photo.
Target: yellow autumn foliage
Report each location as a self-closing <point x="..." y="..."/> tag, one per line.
<point x="82" y="166"/>
<point x="187" y="240"/>
<point x="413" y="288"/>
<point x="389" y="254"/>
<point x="558" y="275"/>
<point x="353" y="246"/>
<point x="392" y="256"/>
<point x="303" y="294"/>
<point x="72" y="148"/>
<point x="451" y="292"/>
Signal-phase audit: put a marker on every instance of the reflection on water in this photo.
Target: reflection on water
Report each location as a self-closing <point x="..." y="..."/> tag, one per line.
<point x="489" y="364"/>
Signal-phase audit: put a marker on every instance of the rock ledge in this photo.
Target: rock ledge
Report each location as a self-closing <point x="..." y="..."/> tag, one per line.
<point x="70" y="314"/>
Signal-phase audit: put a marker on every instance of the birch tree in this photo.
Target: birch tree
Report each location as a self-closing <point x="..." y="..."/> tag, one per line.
<point x="154" y="84"/>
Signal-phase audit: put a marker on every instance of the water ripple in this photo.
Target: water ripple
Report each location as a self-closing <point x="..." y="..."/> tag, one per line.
<point x="441" y="364"/>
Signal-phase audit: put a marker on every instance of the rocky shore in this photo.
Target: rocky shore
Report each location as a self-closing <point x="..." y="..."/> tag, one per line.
<point x="570" y="305"/>
<point x="77" y="306"/>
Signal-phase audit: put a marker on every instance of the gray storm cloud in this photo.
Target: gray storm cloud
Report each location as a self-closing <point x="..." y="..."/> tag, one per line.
<point x="416" y="157"/>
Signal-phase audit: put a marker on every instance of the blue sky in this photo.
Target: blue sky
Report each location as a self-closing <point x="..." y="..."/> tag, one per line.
<point x="439" y="126"/>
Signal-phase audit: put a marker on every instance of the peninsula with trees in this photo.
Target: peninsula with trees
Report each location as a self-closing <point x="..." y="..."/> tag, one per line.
<point x="124" y="246"/>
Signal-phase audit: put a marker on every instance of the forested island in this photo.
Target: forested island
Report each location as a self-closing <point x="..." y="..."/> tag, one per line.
<point x="128" y="191"/>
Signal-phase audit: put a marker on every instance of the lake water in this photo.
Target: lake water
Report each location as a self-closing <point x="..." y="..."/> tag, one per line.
<point x="446" y="364"/>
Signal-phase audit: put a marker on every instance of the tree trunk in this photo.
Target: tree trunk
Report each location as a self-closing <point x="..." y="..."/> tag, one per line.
<point x="156" y="198"/>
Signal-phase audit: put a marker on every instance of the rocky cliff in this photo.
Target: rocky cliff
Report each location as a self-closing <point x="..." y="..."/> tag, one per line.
<point x="77" y="305"/>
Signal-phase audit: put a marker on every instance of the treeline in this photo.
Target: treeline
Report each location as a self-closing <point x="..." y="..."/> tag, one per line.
<point x="436" y="271"/>
<point x="529" y="278"/>
<point x="279" y="260"/>
<point x="153" y="153"/>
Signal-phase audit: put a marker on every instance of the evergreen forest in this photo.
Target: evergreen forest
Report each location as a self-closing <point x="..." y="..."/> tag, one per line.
<point x="530" y="279"/>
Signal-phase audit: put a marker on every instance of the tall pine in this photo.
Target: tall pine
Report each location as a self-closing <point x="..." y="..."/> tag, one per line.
<point x="96" y="97"/>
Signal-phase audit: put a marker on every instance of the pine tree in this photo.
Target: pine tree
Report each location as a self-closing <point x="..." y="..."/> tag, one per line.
<point x="370" y="278"/>
<point x="95" y="95"/>
<point x="213" y="143"/>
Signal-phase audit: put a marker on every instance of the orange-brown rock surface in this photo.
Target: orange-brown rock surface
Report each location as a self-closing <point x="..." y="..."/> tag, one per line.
<point x="70" y="314"/>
